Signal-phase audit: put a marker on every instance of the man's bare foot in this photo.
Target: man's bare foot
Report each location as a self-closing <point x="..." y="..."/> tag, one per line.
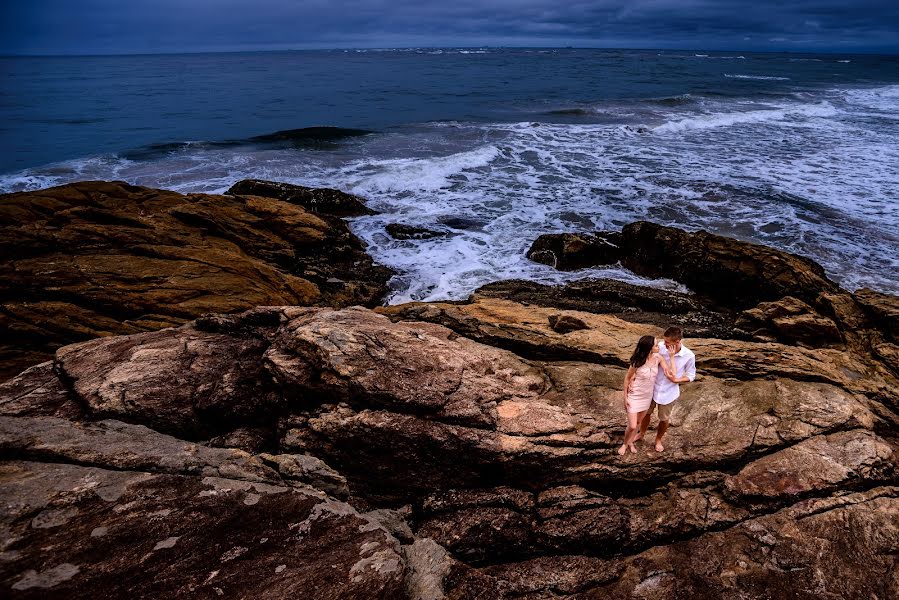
<point x="623" y="450"/>
<point x="659" y="447"/>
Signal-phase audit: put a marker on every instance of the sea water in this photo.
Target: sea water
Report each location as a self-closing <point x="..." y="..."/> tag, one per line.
<point x="493" y="146"/>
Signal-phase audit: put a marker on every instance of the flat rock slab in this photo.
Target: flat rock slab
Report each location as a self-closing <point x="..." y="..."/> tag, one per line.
<point x="66" y="529"/>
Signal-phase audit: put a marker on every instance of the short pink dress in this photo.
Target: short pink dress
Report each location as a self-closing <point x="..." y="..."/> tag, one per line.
<point x="640" y="395"/>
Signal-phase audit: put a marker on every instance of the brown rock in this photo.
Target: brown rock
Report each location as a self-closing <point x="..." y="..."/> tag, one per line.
<point x="324" y="201"/>
<point x="38" y="391"/>
<point x="883" y="309"/>
<point x="836" y="546"/>
<point x="731" y="272"/>
<point x="793" y="321"/>
<point x="816" y="465"/>
<point x="474" y="426"/>
<point x="361" y="357"/>
<point x="182" y="381"/>
<point x="100" y="258"/>
<point x="566" y="323"/>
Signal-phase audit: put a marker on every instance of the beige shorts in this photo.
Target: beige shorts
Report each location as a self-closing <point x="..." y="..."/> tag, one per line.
<point x="664" y="410"/>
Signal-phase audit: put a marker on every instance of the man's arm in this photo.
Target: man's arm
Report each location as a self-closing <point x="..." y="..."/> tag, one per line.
<point x="689" y="371"/>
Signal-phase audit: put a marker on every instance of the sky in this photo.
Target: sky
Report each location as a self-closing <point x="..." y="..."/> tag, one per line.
<point x="163" y="26"/>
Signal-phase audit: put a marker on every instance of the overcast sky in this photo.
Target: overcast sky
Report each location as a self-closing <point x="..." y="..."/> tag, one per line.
<point x="138" y="26"/>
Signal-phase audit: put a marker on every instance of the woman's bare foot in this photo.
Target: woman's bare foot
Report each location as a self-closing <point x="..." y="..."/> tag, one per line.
<point x="631" y="446"/>
<point x="623" y="450"/>
<point x="659" y="447"/>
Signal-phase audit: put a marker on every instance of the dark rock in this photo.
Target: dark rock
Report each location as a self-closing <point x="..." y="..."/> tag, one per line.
<point x="399" y="231"/>
<point x="249" y="439"/>
<point x="325" y="201"/>
<point x="733" y="273"/>
<point x="883" y="308"/>
<point x="81" y="532"/>
<point x="475" y="432"/>
<point x="572" y="251"/>
<point x="462" y="223"/>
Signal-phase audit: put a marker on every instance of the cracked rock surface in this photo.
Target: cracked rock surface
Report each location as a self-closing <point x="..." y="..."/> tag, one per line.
<point x="452" y="450"/>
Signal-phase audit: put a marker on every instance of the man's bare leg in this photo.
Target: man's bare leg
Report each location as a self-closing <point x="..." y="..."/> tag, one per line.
<point x="660" y="433"/>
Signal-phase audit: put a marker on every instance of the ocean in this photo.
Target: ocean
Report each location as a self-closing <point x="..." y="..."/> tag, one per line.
<point x="493" y="146"/>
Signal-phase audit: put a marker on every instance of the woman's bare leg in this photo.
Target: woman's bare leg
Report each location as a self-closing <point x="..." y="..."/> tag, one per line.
<point x="637" y="421"/>
<point x="632" y="424"/>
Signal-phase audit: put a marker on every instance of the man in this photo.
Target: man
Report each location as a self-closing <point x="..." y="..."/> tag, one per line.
<point x="666" y="390"/>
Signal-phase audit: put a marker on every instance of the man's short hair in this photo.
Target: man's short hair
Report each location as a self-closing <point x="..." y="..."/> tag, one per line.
<point x="675" y="334"/>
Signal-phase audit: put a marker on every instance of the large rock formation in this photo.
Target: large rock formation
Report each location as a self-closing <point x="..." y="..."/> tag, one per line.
<point x="431" y="450"/>
<point x="461" y="450"/>
<point x="99" y="258"/>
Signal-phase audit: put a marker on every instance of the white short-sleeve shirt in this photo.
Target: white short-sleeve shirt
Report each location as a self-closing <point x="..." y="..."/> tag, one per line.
<point x="666" y="391"/>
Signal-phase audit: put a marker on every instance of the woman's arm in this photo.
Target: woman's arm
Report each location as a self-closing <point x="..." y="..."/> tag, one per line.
<point x="628" y="379"/>
<point x="669" y="367"/>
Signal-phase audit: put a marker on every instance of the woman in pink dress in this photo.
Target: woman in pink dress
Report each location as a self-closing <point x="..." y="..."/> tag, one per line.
<point x="638" y="386"/>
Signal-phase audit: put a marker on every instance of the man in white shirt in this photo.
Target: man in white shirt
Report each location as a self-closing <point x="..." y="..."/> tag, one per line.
<point x="667" y="391"/>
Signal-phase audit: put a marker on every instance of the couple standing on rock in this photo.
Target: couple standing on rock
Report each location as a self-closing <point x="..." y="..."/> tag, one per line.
<point x="656" y="370"/>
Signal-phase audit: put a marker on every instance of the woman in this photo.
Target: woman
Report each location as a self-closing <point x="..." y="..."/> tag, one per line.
<point x="638" y="386"/>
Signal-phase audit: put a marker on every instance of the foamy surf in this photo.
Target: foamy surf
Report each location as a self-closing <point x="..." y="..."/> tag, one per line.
<point x="812" y="173"/>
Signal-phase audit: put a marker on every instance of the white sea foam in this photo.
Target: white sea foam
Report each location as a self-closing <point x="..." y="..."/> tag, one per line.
<point x="758" y="77"/>
<point x="805" y="175"/>
<point x="728" y="119"/>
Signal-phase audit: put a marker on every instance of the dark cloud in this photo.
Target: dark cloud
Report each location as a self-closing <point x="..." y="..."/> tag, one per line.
<point x="114" y="26"/>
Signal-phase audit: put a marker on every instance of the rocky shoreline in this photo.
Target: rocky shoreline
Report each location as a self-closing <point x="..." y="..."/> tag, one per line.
<point x="232" y="422"/>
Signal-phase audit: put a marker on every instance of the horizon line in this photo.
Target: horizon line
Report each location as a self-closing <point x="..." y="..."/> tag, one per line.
<point x="461" y="47"/>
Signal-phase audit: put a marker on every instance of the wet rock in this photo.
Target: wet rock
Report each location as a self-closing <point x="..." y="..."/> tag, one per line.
<point x="462" y="223"/>
<point x="324" y="201"/>
<point x="400" y="231"/>
<point x="96" y="258"/>
<point x="572" y="251"/>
